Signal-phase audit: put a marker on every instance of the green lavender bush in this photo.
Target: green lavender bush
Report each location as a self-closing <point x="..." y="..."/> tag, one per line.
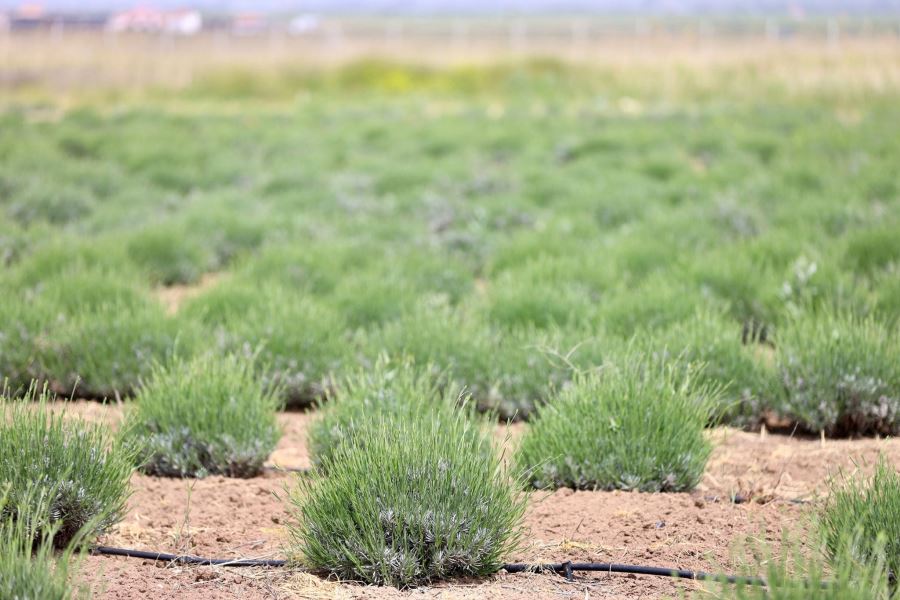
<point x="299" y="341"/>
<point x="169" y="255"/>
<point x="504" y="372"/>
<point x="85" y="330"/>
<point x="871" y="249"/>
<point x="30" y="567"/>
<point x="634" y="424"/>
<point x="22" y="322"/>
<point x="81" y="470"/>
<point x="839" y="374"/>
<point x="416" y="501"/>
<point x="738" y="364"/>
<point x="104" y="352"/>
<point x="804" y="573"/>
<point x="861" y="517"/>
<point x="204" y="416"/>
<point x="395" y="389"/>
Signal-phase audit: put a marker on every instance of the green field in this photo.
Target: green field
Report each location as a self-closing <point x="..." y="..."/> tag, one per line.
<point x="509" y="225"/>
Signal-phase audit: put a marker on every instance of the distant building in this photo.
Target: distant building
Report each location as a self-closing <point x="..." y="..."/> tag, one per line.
<point x="184" y="22"/>
<point x="30" y="15"/>
<point x="33" y="16"/>
<point x="151" y="20"/>
<point x="303" y="25"/>
<point x="30" y="11"/>
<point x="141" y="19"/>
<point x="246" y="24"/>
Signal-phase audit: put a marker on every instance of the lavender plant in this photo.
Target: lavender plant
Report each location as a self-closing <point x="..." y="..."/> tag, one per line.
<point x="81" y="469"/>
<point x="415" y="501"/>
<point x="839" y="374"/>
<point x="636" y="424"/>
<point x="205" y="416"/>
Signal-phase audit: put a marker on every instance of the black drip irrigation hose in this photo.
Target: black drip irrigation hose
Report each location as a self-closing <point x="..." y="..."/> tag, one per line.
<point x="280" y="469"/>
<point x="566" y="568"/>
<point x="186" y="559"/>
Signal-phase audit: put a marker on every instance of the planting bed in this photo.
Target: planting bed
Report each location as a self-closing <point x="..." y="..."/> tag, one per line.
<point x="227" y="518"/>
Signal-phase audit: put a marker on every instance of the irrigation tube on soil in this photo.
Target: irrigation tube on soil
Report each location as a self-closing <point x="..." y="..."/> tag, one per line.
<point x="567" y="568"/>
<point x="280" y="469"/>
<point x="186" y="559"/>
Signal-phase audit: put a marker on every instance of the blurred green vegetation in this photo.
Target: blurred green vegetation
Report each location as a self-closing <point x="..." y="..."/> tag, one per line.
<point x="509" y="225"/>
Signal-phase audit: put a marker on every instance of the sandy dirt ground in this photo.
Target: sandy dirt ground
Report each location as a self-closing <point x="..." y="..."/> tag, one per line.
<point x="174" y="296"/>
<point x="776" y="481"/>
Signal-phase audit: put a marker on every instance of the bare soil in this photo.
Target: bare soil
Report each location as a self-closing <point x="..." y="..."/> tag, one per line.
<point x="173" y="296"/>
<point x="776" y="481"/>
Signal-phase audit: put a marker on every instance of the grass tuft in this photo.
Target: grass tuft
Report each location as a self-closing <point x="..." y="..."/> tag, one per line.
<point x="81" y="468"/>
<point x="839" y="374"/>
<point x="391" y="389"/>
<point x="205" y="416"/>
<point x="633" y="425"/>
<point x="169" y="255"/>
<point x="416" y="501"/>
<point x="862" y="518"/>
<point x="743" y="371"/>
<point x="299" y="340"/>
<point x="30" y="569"/>
<point x="105" y="351"/>
<point x="799" y="574"/>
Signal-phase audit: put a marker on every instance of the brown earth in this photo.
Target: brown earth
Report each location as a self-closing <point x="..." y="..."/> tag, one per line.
<point x="173" y="296"/>
<point x="777" y="480"/>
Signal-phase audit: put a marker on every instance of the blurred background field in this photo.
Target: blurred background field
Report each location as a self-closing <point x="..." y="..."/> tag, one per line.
<point x="508" y="199"/>
<point x="267" y="54"/>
